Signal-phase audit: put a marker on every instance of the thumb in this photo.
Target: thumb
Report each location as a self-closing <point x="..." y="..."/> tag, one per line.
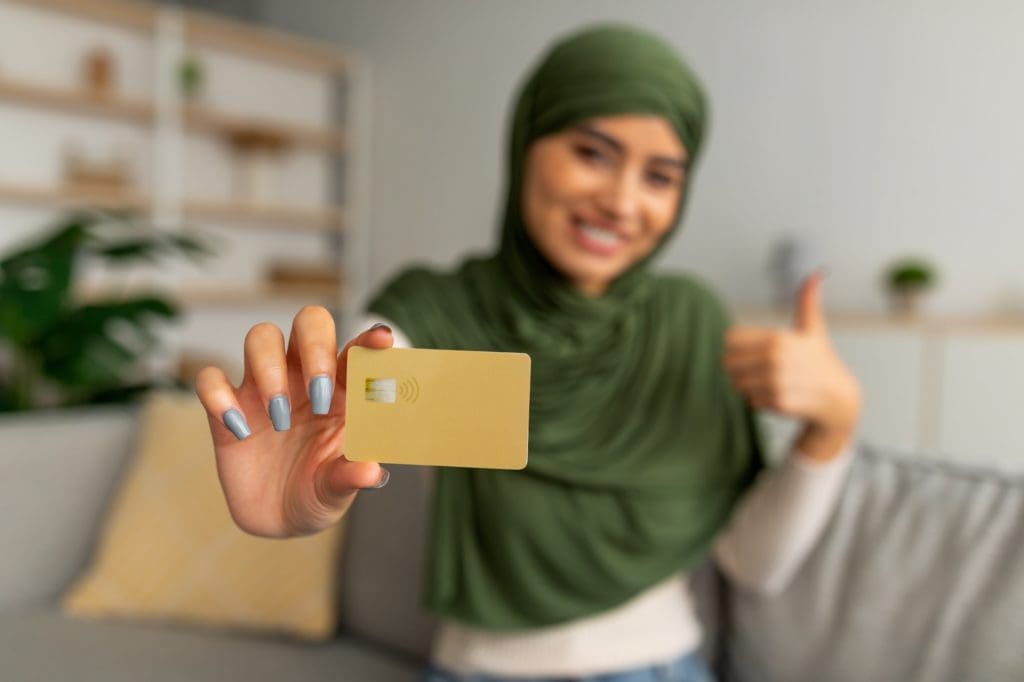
<point x="810" y="317"/>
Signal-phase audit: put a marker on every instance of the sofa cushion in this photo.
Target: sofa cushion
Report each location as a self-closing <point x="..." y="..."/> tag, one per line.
<point x="919" y="576"/>
<point x="170" y="549"/>
<point x="42" y="644"/>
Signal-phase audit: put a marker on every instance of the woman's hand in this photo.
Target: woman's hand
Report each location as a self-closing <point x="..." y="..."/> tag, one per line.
<point x="798" y="373"/>
<point x="288" y="477"/>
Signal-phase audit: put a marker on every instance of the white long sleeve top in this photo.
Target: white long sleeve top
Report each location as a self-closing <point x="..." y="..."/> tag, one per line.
<point x="769" y="534"/>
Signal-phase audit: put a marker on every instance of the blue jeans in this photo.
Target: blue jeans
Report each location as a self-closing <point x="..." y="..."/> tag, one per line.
<point x="688" y="668"/>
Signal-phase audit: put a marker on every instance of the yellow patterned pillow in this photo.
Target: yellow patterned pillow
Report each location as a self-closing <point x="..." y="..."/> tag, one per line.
<point x="170" y="551"/>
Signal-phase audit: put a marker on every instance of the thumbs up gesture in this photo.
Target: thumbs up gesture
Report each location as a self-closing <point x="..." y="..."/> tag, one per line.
<point x="796" y="372"/>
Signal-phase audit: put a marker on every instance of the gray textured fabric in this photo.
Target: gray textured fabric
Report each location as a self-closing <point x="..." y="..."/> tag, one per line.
<point x="58" y="470"/>
<point x="708" y="587"/>
<point x="919" y="576"/>
<point x="41" y="645"/>
<point x="383" y="561"/>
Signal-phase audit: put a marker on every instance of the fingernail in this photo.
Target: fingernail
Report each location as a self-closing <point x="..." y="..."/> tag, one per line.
<point x="385" y="476"/>
<point x="280" y="413"/>
<point x="320" y="393"/>
<point x="236" y="424"/>
<point x="380" y="325"/>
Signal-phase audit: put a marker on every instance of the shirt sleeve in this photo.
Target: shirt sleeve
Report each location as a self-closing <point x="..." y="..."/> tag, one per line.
<point x="779" y="520"/>
<point x="368" y="320"/>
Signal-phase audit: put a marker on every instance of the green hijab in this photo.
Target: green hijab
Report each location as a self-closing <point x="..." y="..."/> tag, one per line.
<point x="639" y="447"/>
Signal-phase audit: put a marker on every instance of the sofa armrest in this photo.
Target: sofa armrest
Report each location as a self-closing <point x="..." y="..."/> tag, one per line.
<point x="58" y="469"/>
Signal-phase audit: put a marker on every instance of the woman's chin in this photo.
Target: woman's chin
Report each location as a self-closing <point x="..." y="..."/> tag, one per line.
<point x="592" y="283"/>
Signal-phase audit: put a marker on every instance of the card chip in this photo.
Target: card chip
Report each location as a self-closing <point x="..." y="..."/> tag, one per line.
<point x="381" y="390"/>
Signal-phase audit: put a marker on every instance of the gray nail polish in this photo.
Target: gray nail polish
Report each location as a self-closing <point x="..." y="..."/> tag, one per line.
<point x="280" y="413"/>
<point x="236" y="424"/>
<point x="320" y="393"/>
<point x="380" y="325"/>
<point x="384" y="478"/>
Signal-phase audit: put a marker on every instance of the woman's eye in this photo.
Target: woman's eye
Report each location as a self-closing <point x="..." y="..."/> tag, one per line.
<point x="661" y="179"/>
<point x="591" y="153"/>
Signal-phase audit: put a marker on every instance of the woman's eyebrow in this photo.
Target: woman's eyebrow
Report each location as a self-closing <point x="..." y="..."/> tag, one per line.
<point x="619" y="147"/>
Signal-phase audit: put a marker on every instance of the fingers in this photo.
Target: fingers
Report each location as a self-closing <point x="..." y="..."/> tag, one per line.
<point x="747" y="348"/>
<point x="266" y="367"/>
<point x="337" y="479"/>
<point x="753" y="361"/>
<point x="810" y="316"/>
<point x="764" y="389"/>
<point x="377" y="336"/>
<point x="227" y="420"/>
<point x="742" y="338"/>
<point x="313" y="346"/>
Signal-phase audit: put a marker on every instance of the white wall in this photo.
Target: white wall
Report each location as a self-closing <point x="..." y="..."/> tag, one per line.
<point x="868" y="128"/>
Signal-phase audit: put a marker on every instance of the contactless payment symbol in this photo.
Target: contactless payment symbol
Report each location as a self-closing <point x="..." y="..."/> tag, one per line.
<point x="409" y="390"/>
<point x="390" y="390"/>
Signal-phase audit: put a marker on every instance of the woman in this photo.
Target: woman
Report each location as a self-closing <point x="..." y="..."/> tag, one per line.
<point x="643" y="449"/>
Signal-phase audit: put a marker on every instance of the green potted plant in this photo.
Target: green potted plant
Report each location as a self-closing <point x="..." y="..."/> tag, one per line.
<point x="59" y="350"/>
<point x="906" y="281"/>
<point x="191" y="75"/>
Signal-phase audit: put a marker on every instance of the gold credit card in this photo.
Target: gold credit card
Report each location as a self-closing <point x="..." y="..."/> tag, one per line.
<point x="437" y="407"/>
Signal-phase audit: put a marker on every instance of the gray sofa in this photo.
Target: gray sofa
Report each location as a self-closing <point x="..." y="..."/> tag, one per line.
<point x="920" y="576"/>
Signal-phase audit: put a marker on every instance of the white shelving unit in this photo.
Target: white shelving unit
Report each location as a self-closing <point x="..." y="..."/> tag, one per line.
<point x="312" y="99"/>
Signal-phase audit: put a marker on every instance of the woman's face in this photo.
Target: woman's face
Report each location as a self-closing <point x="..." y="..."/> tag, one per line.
<point x="599" y="196"/>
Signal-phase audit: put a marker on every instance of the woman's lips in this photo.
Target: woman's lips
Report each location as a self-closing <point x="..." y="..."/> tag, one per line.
<point x="597" y="240"/>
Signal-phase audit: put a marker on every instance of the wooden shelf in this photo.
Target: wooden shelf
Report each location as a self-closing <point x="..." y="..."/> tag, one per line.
<point x="293" y="217"/>
<point x="196" y="118"/>
<point x="199" y="119"/>
<point x="67" y="197"/>
<point x="205" y="28"/>
<point x="235" y="213"/>
<point x="67" y="99"/>
<point x="233" y="295"/>
<point x="255" y="296"/>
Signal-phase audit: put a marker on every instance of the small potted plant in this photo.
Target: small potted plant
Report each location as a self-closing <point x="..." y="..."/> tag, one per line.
<point x="906" y="280"/>
<point x="191" y="76"/>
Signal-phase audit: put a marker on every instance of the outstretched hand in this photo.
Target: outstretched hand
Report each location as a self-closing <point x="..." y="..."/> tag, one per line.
<point x="279" y="437"/>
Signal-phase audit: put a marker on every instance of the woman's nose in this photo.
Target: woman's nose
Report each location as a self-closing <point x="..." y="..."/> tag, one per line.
<point x="620" y="198"/>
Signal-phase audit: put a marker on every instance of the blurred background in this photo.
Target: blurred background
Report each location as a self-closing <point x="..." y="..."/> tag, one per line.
<point x="171" y="174"/>
<point x="302" y="152"/>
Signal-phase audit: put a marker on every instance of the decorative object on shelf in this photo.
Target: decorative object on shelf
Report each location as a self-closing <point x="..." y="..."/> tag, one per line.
<point x="191" y="76"/>
<point x="788" y="264"/>
<point x="99" y="72"/>
<point x="297" y="277"/>
<point x="257" y="163"/>
<point x="56" y="350"/>
<point x="906" y="281"/>
<point x="91" y="175"/>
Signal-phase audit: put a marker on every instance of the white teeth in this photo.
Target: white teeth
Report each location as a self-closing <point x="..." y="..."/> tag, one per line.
<point x="601" y="235"/>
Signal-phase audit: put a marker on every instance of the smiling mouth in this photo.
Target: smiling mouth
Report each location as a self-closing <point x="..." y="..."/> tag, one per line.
<point x="597" y="240"/>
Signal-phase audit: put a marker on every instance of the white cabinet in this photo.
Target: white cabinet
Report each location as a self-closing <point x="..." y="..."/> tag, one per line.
<point x="888" y="363"/>
<point x="981" y="406"/>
